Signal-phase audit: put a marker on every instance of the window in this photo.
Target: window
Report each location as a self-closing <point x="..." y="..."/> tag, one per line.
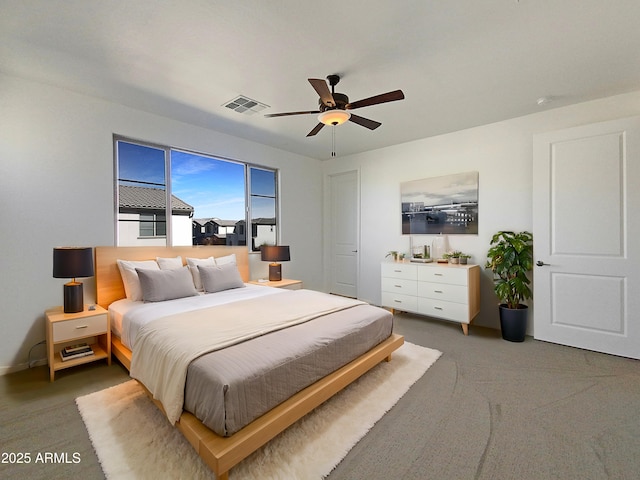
<point x="152" y="225"/>
<point x="167" y="196"/>
<point x="216" y="189"/>
<point x="263" y="206"/>
<point x="141" y="194"/>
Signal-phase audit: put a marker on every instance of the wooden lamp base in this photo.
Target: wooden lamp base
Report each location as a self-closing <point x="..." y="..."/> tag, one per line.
<point x="275" y="272"/>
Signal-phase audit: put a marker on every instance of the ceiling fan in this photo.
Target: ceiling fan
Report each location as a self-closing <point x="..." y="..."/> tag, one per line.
<point x="335" y="107"/>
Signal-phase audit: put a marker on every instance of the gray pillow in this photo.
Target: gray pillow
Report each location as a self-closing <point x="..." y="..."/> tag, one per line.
<point x="161" y="285"/>
<point x="220" y="277"/>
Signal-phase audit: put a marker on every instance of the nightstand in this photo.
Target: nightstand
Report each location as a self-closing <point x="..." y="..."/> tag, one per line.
<point x="64" y="329"/>
<point x="286" y="283"/>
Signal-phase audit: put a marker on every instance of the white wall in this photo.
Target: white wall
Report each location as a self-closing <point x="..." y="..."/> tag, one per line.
<point x="129" y="231"/>
<point x="56" y="186"/>
<point x="500" y="152"/>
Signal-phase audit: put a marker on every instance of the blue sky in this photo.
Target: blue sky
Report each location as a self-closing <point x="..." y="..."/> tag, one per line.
<point x="215" y="188"/>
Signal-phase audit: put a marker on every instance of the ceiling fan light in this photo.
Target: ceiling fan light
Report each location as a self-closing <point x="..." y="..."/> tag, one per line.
<point x="334" y="117"/>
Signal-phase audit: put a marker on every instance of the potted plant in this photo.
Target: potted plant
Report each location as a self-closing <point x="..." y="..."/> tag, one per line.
<point x="393" y="254"/>
<point x="453" y="257"/>
<point x="463" y="258"/>
<point x="510" y="258"/>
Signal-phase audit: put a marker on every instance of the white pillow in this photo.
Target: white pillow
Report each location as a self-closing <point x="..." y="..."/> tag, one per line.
<point x="226" y="259"/>
<point x="220" y="277"/>
<point x="161" y="285"/>
<point x="169" y="263"/>
<point x="193" y="264"/>
<point x="130" y="276"/>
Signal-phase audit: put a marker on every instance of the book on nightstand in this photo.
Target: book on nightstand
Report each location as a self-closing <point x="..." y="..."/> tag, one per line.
<point x="76" y="348"/>
<point x="76" y="352"/>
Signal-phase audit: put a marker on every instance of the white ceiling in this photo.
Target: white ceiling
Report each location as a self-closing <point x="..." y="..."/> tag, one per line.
<point x="460" y="63"/>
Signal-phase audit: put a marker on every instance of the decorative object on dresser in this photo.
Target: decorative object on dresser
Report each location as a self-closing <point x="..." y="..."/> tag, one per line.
<point x="456" y="257"/>
<point x="419" y="253"/>
<point x="453" y="257"/>
<point x="77" y="338"/>
<point x="464" y="259"/>
<point x="439" y="246"/>
<point x="73" y="262"/>
<point x="510" y="258"/>
<point x="450" y="292"/>
<point x="275" y="254"/>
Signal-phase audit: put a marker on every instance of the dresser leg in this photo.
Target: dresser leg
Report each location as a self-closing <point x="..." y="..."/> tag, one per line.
<point x="465" y="328"/>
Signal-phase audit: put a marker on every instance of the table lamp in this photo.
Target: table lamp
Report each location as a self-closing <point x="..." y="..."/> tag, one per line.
<point x="275" y="254"/>
<point x="72" y="262"/>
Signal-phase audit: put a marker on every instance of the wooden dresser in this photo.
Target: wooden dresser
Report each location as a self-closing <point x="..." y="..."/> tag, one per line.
<point x="450" y="292"/>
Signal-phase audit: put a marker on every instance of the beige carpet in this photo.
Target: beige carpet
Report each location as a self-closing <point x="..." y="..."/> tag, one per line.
<point x="133" y="440"/>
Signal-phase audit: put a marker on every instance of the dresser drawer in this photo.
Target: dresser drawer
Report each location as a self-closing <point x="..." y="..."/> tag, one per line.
<point x="80" y="327"/>
<point x="444" y="291"/>
<point x="400" y="285"/>
<point x="457" y="312"/>
<point x="399" y="301"/>
<point x="451" y="275"/>
<point x="400" y="270"/>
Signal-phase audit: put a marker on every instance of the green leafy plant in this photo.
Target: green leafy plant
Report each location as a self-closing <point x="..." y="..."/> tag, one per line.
<point x="510" y="258"/>
<point x="453" y="254"/>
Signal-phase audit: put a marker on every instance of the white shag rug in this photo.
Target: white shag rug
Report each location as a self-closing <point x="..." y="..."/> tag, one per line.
<point x="133" y="440"/>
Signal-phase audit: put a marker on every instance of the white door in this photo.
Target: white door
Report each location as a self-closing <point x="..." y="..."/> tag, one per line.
<point x="344" y="234"/>
<point x="586" y="226"/>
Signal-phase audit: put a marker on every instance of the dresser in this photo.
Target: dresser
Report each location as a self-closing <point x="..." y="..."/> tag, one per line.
<point x="450" y="292"/>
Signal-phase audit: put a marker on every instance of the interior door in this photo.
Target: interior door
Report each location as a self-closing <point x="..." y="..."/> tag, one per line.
<point x="586" y="225"/>
<point x="344" y="234"/>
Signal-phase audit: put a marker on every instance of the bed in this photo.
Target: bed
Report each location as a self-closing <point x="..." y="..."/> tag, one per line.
<point x="222" y="443"/>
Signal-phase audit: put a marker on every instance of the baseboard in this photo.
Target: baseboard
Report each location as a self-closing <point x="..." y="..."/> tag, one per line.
<point x="22" y="366"/>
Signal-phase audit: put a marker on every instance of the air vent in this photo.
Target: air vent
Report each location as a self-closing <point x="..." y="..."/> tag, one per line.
<point x="242" y="104"/>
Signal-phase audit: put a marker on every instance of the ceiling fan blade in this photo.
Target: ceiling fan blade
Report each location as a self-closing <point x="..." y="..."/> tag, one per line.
<point x="322" y="89"/>
<point x="375" y="100"/>
<point x="291" y="113"/>
<point x="315" y="130"/>
<point x="365" y="122"/>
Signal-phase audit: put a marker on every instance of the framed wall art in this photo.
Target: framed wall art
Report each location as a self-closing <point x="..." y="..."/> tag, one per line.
<point x="447" y="205"/>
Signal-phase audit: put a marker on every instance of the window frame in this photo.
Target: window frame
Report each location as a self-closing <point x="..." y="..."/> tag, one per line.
<point x="248" y="166"/>
<point x="155" y="219"/>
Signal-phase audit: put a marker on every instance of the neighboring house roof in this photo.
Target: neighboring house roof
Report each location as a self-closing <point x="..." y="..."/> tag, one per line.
<point x="146" y="198"/>
<point x="222" y="223"/>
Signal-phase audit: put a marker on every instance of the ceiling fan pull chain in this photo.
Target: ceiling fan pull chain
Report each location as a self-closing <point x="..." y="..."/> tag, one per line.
<point x="333" y="140"/>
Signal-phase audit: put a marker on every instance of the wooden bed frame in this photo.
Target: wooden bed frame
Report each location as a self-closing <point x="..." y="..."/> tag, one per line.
<point x="222" y="453"/>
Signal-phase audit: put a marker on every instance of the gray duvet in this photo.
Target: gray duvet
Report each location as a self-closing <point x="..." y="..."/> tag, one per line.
<point x="229" y="388"/>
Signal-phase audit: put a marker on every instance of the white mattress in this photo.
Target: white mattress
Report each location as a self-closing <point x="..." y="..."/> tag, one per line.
<point x="128" y="316"/>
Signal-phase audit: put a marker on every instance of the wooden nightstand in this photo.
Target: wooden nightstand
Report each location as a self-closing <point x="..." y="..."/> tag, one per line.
<point x="284" y="283"/>
<point x="63" y="329"/>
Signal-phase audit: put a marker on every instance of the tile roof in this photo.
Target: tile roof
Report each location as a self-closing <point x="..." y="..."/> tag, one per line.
<point x="149" y="198"/>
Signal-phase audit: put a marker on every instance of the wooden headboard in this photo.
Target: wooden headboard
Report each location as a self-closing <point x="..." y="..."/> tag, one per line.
<point x="109" y="286"/>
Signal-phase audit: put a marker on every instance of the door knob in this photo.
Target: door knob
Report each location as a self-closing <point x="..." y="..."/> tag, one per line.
<point x="541" y="263"/>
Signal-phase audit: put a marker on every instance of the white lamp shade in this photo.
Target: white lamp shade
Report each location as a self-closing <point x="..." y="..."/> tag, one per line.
<point x="334" y="117"/>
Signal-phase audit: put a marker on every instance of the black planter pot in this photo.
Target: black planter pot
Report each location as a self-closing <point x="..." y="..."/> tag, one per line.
<point x="513" y="322"/>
